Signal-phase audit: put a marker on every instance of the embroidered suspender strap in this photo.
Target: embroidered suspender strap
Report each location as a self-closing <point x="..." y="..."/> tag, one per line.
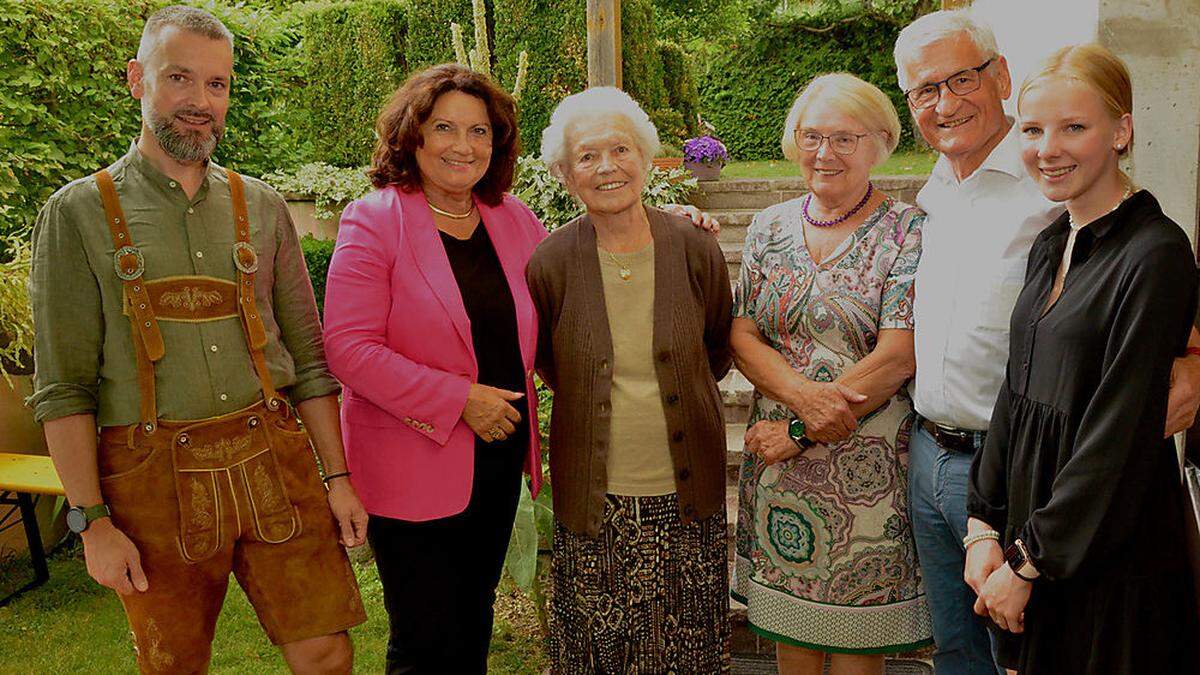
<point x="245" y="259"/>
<point x="130" y="266"/>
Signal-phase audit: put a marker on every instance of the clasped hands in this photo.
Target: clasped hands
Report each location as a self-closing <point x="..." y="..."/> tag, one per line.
<point x="824" y="407"/>
<point x="489" y="413"/>
<point x="1001" y="594"/>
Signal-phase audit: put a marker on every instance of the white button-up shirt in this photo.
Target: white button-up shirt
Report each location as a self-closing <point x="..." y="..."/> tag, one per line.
<point x="975" y="244"/>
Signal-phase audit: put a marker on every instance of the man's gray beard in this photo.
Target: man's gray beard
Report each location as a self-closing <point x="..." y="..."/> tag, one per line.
<point x="181" y="147"/>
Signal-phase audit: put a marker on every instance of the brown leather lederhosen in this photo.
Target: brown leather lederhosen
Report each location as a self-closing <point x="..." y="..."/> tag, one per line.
<point x="202" y="498"/>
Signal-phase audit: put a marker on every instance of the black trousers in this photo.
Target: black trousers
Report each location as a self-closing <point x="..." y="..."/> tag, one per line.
<point x="439" y="576"/>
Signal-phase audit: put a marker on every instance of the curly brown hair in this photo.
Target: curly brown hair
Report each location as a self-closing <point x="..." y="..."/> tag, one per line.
<point x="399" y="129"/>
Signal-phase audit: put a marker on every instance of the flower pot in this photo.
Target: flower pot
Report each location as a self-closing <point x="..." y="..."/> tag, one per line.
<point x="668" y="163"/>
<point x="705" y="170"/>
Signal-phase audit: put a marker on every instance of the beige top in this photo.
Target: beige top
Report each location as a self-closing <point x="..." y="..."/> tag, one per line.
<point x="639" y="457"/>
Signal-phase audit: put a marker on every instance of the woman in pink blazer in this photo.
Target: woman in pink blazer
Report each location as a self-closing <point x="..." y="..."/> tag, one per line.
<point x="430" y="327"/>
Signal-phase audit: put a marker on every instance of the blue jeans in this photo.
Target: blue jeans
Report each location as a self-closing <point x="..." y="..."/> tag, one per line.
<point x="937" y="489"/>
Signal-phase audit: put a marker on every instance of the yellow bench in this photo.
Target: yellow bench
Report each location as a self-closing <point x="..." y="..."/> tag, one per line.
<point x="21" y="477"/>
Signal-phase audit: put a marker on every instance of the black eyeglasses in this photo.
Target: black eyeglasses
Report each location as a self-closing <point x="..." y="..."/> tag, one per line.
<point x="960" y="84"/>
<point x="841" y="142"/>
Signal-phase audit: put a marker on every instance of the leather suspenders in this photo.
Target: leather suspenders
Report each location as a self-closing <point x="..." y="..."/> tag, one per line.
<point x="148" y="342"/>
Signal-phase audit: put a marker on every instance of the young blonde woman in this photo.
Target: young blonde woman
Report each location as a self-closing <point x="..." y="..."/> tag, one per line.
<point x="1075" y="501"/>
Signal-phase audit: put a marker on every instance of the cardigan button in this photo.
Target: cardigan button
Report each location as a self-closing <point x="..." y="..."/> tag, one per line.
<point x="677" y="437"/>
<point x="664" y="357"/>
<point x="684" y="474"/>
<point x="673" y="399"/>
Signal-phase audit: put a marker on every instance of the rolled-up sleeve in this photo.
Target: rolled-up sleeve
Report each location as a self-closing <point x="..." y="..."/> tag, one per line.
<point x="296" y="313"/>
<point x="67" y="318"/>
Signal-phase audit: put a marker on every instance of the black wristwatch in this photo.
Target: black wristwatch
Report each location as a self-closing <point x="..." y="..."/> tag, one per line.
<point x="78" y="518"/>
<point x="1017" y="557"/>
<point x="796" y="432"/>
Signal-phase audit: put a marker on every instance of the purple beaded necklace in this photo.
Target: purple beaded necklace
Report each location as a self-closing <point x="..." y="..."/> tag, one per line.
<point x="842" y="218"/>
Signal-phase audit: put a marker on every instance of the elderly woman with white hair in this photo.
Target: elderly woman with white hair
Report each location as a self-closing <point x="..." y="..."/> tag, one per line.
<point x="634" y="316"/>
<point x="823" y="329"/>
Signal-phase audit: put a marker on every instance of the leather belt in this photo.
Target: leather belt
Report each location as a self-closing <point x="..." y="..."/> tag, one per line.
<point x="952" y="438"/>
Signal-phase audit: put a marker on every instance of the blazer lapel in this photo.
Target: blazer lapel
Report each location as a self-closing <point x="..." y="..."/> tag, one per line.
<point x="513" y="249"/>
<point x="432" y="262"/>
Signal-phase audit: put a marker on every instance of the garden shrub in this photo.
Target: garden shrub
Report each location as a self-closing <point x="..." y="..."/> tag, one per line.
<point x="751" y="85"/>
<point x="428" y="41"/>
<point x="554" y="32"/>
<point x="65" y="109"/>
<point x="354" y="57"/>
<point x="682" y="94"/>
<point x="317" y="254"/>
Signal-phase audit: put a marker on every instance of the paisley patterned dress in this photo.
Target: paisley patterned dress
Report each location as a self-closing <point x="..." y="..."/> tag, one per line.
<point x="825" y="556"/>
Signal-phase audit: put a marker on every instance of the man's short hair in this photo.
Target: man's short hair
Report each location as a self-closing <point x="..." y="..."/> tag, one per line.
<point x="937" y="26"/>
<point x="190" y="19"/>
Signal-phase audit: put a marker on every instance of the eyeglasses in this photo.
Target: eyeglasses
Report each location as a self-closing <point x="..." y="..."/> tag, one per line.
<point x="841" y="142"/>
<point x="960" y="84"/>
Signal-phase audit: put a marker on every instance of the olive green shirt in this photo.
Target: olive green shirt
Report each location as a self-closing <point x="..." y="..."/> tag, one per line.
<point x="84" y="353"/>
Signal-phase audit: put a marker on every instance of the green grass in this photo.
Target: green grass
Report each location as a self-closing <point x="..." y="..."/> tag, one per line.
<point x="913" y="162"/>
<point x="72" y="625"/>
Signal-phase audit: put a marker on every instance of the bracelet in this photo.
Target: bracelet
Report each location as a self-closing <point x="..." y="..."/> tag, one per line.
<point x="1192" y="351"/>
<point x="976" y="538"/>
<point x="340" y="474"/>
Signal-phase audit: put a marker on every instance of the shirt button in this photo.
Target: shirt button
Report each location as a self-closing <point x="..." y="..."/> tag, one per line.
<point x="199" y="254"/>
<point x="174" y="184"/>
<point x="191" y="210"/>
<point x="213" y="348"/>
<point x="224" y="397"/>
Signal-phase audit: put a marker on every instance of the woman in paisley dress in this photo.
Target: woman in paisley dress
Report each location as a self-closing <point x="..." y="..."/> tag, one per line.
<point x="823" y="329"/>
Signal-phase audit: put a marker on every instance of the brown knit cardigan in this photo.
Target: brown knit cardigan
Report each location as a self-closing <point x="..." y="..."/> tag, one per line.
<point x="692" y="317"/>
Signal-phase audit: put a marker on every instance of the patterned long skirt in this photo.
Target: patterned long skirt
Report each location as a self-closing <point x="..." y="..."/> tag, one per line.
<point x="649" y="595"/>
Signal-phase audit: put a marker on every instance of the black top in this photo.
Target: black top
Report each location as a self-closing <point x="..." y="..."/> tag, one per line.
<point x="1075" y="462"/>
<point x="493" y="318"/>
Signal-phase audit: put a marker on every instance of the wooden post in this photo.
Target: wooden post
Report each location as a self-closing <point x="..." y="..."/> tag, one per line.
<point x="604" y="43"/>
<point x="955" y="4"/>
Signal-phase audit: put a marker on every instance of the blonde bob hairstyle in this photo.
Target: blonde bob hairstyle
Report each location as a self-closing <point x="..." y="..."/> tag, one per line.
<point x="1099" y="69"/>
<point x="591" y="105"/>
<point x="860" y="100"/>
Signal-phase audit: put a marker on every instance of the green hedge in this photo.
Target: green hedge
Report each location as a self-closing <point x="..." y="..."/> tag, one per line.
<point x="353" y="59"/>
<point x="750" y="87"/>
<point x="554" y="32"/>
<point x="317" y="254"/>
<point x="65" y="109"/>
<point x="683" y="96"/>
<point x="428" y="41"/>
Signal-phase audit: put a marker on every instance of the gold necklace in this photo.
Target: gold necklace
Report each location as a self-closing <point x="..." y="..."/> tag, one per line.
<point x="456" y="216"/>
<point x="622" y="268"/>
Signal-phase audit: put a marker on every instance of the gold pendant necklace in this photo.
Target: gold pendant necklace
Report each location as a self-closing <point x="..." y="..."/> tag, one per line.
<point x="622" y="268"/>
<point x="456" y="216"/>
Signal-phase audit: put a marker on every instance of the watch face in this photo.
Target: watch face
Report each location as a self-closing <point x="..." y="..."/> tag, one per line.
<point x="76" y="520"/>
<point x="796" y="429"/>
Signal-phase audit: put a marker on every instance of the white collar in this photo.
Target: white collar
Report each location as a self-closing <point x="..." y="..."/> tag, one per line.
<point x="1004" y="158"/>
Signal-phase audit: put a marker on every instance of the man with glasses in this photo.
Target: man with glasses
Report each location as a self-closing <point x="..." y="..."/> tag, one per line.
<point x="984" y="211"/>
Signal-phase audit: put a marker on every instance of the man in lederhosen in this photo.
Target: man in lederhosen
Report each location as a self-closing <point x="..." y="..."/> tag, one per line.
<point x="174" y="315"/>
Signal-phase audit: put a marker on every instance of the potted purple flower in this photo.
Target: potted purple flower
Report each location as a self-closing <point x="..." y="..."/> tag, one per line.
<point x="704" y="157"/>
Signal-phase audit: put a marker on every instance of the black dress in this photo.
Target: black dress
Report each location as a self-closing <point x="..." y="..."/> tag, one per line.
<point x="1075" y="463"/>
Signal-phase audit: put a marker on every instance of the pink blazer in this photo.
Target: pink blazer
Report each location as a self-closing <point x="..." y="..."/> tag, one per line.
<point x="398" y="338"/>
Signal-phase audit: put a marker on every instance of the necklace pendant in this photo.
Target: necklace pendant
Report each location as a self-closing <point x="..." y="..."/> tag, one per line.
<point x="625" y="273"/>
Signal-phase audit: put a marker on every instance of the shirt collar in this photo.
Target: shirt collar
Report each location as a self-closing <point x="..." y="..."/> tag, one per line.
<point x="1004" y="158"/>
<point x="164" y="183"/>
